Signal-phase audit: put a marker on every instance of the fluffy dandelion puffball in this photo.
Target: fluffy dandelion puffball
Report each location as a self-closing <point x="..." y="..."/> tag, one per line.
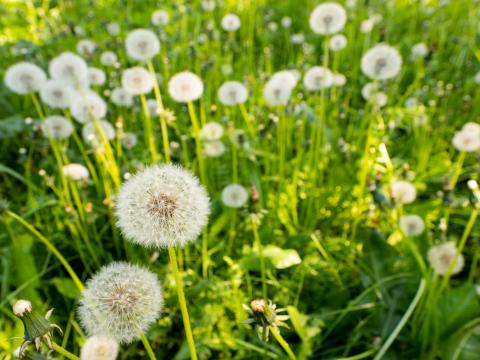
<point x="108" y="58"/>
<point x="142" y="44"/>
<point x="441" y="257"/>
<point x="113" y="28"/>
<point x="208" y="5"/>
<point x="86" y="47"/>
<point x="185" y="87"/>
<point x="58" y="127"/>
<point x="96" y="76"/>
<point x="420" y="50"/>
<point x="328" y="18"/>
<point x="129" y="140"/>
<point x="339" y="80"/>
<point x="137" y="81"/>
<point x="382" y="62"/>
<point x="93" y="132"/>
<point x="403" y="192"/>
<point x="76" y="172"/>
<point x="24" y="78"/>
<point x="317" y="78"/>
<point x="99" y="347"/>
<point x="57" y="94"/>
<point x="160" y="18"/>
<point x="211" y="131"/>
<point x="277" y="92"/>
<point x="467" y="139"/>
<point x="234" y="196"/>
<point x="411" y="225"/>
<point x="69" y="68"/>
<point x="231" y="22"/>
<point x="214" y="148"/>
<point x="153" y="107"/>
<point x="120" y="97"/>
<point x="121" y="301"/>
<point x="162" y="206"/>
<point x="337" y="42"/>
<point x="88" y="106"/>
<point x="232" y="93"/>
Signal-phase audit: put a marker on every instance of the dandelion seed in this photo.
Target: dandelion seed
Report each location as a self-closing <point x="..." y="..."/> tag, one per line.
<point x="381" y="62"/>
<point x="86" y="47"/>
<point x="71" y="69"/>
<point x="142" y="44"/>
<point x="185" y="87"/>
<point x="121" y="301"/>
<point x="317" y="78"/>
<point x="162" y="206"/>
<point x="234" y="196"/>
<point x="76" y="172"/>
<point x="58" y="127"/>
<point x="411" y="225"/>
<point x="57" y="94"/>
<point x="403" y="192"/>
<point x="441" y="257"/>
<point x="211" y="131"/>
<point x="232" y="93"/>
<point x="87" y="107"/>
<point x="24" y="78"/>
<point x="121" y="97"/>
<point x="96" y="76"/>
<point x="160" y="18"/>
<point x="91" y="132"/>
<point x="328" y="18"/>
<point x="99" y="347"/>
<point x="137" y="81"/>
<point x="230" y="22"/>
<point x="337" y="42"/>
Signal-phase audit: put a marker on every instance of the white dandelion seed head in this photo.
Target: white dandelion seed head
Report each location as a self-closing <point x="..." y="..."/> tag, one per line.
<point x="328" y="18"/>
<point x="129" y="140"/>
<point x="162" y="206"/>
<point x="211" y="131"/>
<point x="108" y="58"/>
<point x="234" y="196"/>
<point x="121" y="301"/>
<point x="232" y="93"/>
<point x="379" y="99"/>
<point x="153" y="107"/>
<point x="137" y="81"/>
<point x="472" y="127"/>
<point x="76" y="172"/>
<point x="142" y="44"/>
<point x="24" y="78"/>
<point x="185" y="87"/>
<point x="57" y="94"/>
<point x="96" y="76"/>
<point x="272" y="26"/>
<point x="297" y="38"/>
<point x="286" y="22"/>
<point x="213" y="149"/>
<point x="22" y="307"/>
<point x="277" y="92"/>
<point x="403" y="191"/>
<point x="231" y="22"/>
<point x="367" y="26"/>
<point x="160" y="18"/>
<point x="339" y="80"/>
<point x="94" y="131"/>
<point x="317" y="78"/>
<point x="411" y="225"/>
<point x="290" y="77"/>
<point x="382" y="62"/>
<point x="208" y="5"/>
<point x="420" y="50"/>
<point x="56" y="126"/>
<point x="441" y="256"/>
<point x="88" y="106"/>
<point x="467" y="139"/>
<point x="120" y="97"/>
<point x="476" y="78"/>
<point x="411" y="102"/>
<point x="86" y="47"/>
<point x="113" y="28"/>
<point x="69" y="68"/>
<point x="337" y="42"/>
<point x="369" y="90"/>
<point x="99" y="347"/>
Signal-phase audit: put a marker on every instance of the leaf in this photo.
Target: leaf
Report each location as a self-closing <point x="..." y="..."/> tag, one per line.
<point x="66" y="287"/>
<point x="280" y="258"/>
<point x="297" y="322"/>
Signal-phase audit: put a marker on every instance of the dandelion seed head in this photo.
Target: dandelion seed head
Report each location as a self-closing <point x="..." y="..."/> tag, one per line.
<point x="121" y="97"/>
<point x="58" y="127"/>
<point x="71" y="69"/>
<point x="113" y="28"/>
<point x="160" y="18"/>
<point x="441" y="257"/>
<point x="24" y="78"/>
<point x="57" y="94"/>
<point x="403" y="191"/>
<point x="142" y="44"/>
<point x="96" y="76"/>
<point x="420" y="50"/>
<point x="339" y="80"/>
<point x="208" y="5"/>
<point x="468" y="138"/>
<point x="76" y="172"/>
<point x="153" y="107"/>
<point x="231" y="22"/>
<point x="87" y="107"/>
<point x="99" y="347"/>
<point x="232" y="93"/>
<point x="185" y="87"/>
<point x="108" y="58"/>
<point x="328" y="18"/>
<point x="411" y="225"/>
<point x="214" y="148"/>
<point x="93" y="130"/>
<point x="317" y="78"/>
<point x="234" y="196"/>
<point x="129" y="140"/>
<point x="382" y="62"/>
<point x="337" y="42"/>
<point x="86" y="47"/>
<point x="137" y="81"/>
<point x="211" y="131"/>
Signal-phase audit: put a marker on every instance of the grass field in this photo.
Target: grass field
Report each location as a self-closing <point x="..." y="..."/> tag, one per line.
<point x="323" y="202"/>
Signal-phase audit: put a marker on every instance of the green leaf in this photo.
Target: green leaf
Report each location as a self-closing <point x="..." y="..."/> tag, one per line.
<point x="280" y="258"/>
<point x="66" y="287"/>
<point x="297" y="322"/>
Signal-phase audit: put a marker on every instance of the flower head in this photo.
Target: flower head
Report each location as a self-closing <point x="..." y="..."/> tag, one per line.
<point x="142" y="44"/>
<point x="120" y="301"/>
<point x="420" y="50"/>
<point x="337" y="42"/>
<point x="121" y="97"/>
<point x="137" y="81"/>
<point x="467" y="139"/>
<point x="69" y="68"/>
<point x="339" y="80"/>
<point x="160" y="18"/>
<point x="441" y="257"/>
<point x="86" y="47"/>
<point x="317" y="78"/>
<point x="234" y="196"/>
<point x="76" y="172"/>
<point x="57" y="126"/>
<point x="185" y="87"/>
<point x="108" y="58"/>
<point x="278" y="89"/>
<point x="328" y="18"/>
<point x="211" y="131"/>
<point x="214" y="148"/>
<point x="57" y="94"/>
<point x="129" y="140"/>
<point x="403" y="192"/>
<point x="381" y="62"/>
<point x="113" y="28"/>
<point x="94" y="131"/>
<point x="87" y="107"/>
<point x="232" y="93"/>
<point x="96" y="76"/>
<point x="231" y="22"/>
<point x="24" y="78"/>
<point x="162" y="206"/>
<point x="411" y="225"/>
<point x="99" y="347"/>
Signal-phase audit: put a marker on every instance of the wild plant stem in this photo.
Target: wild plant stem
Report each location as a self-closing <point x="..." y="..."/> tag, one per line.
<point x="282" y="342"/>
<point x="258" y="242"/>
<point x="147" y="346"/>
<point x="64" y="352"/>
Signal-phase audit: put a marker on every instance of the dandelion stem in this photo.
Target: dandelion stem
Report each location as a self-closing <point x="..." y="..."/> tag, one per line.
<point x="51" y="247"/>
<point x="149" y="138"/>
<point x="182" y="302"/>
<point x="282" y="342"/>
<point x="147" y="346"/>
<point x="258" y="242"/>
<point x="64" y="352"/>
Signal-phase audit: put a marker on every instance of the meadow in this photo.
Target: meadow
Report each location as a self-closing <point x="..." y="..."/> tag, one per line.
<point x="240" y="179"/>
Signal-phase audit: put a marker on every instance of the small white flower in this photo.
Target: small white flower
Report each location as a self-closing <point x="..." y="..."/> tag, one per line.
<point x="121" y="301"/>
<point x="441" y="257"/>
<point x="337" y="42"/>
<point x="328" y="18"/>
<point x="24" y="78"/>
<point x="92" y="132"/>
<point x="71" y="69"/>
<point x="214" y="148"/>
<point x="232" y="93"/>
<point x="99" y="347"/>
<point x="162" y="206"/>
<point x="381" y="62"/>
<point x="137" y="81"/>
<point x="339" y="80"/>
<point x="211" y="131"/>
<point x="121" y="97"/>
<point x="113" y="28"/>
<point x="185" y="87"/>
<point x="317" y="78"/>
<point x="234" y="196"/>
<point x="366" y="26"/>
<point x="411" y="225"/>
<point x="419" y="50"/>
<point x="129" y="140"/>
<point x="58" y="127"/>
<point x="57" y="94"/>
<point x="86" y="47"/>
<point x="96" y="76"/>
<point x="230" y="22"/>
<point x="108" y="58"/>
<point x="76" y="172"/>
<point x="22" y="307"/>
<point x="142" y="44"/>
<point x="160" y="18"/>
<point x="88" y="106"/>
<point x="403" y="192"/>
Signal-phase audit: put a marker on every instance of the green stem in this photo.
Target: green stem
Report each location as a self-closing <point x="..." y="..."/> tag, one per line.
<point x="258" y="242"/>
<point x="147" y="346"/>
<point x="282" y="342"/>
<point x="64" y="352"/>
<point x="149" y="136"/>
<point x="182" y="302"/>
